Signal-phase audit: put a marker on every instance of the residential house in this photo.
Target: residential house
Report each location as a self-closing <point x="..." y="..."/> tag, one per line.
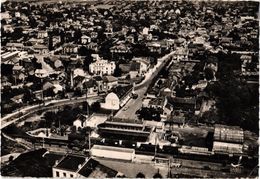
<point x="18" y="72"/>
<point x="130" y="39"/>
<point x="78" y="166"/>
<point x="154" y="47"/>
<point x="134" y="69"/>
<point x="14" y="46"/>
<point x="99" y="81"/>
<point x="8" y="28"/>
<point x="92" y="46"/>
<point x="70" y="49"/>
<point x="85" y="39"/>
<point x="41" y="49"/>
<point x="56" y="40"/>
<point x="35" y="41"/>
<point x="79" y="122"/>
<point x="18" y="98"/>
<point x="91" y="86"/>
<point x="42" y="34"/>
<point x="109" y="82"/>
<point x="68" y="166"/>
<point x="94" y="169"/>
<point x="121" y="48"/>
<point x="144" y="64"/>
<point x="41" y="73"/>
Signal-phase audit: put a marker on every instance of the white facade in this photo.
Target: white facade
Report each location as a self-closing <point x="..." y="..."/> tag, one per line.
<point x="78" y="123"/>
<point x="41" y="73"/>
<point x="101" y="67"/>
<point x="112" y="152"/>
<point x="112" y="102"/>
<point x="59" y="173"/>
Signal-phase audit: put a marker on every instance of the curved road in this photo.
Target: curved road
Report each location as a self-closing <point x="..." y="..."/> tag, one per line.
<point x="21" y="114"/>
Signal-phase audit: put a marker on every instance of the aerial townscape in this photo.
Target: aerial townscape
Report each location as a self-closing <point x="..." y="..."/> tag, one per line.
<point x="129" y="89"/>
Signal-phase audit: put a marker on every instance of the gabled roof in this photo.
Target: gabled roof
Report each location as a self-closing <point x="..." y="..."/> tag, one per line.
<point x="88" y="170"/>
<point x="71" y="163"/>
<point x="90" y="84"/>
<point x="109" y="78"/>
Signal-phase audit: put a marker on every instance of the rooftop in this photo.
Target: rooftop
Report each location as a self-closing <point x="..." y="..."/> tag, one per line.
<point x="71" y="163"/>
<point x="118" y="149"/>
<point x="94" y="169"/>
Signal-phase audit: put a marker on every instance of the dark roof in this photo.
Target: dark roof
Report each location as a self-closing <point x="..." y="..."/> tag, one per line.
<point x="52" y="158"/>
<point x="176" y="119"/>
<point x="93" y="165"/>
<point x="135" y="66"/>
<point x="81" y="117"/>
<point x="120" y="91"/>
<point x="89" y="84"/>
<point x="79" y="78"/>
<point x="157" y="101"/>
<point x="97" y="78"/>
<point x="180" y="100"/>
<point x="71" y="163"/>
<point x="29" y="164"/>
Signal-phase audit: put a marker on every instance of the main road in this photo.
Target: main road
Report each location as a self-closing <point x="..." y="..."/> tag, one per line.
<point x="23" y="113"/>
<point x="128" y="111"/>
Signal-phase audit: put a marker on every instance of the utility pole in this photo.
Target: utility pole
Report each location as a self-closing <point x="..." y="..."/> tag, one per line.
<point x="43" y="142"/>
<point x="155" y="149"/>
<point x="89" y="142"/>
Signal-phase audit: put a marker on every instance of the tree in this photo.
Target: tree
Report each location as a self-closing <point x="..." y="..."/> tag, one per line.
<point x="28" y="96"/>
<point x="95" y="106"/>
<point x="157" y="175"/>
<point x="49" y="92"/>
<point x="17" y="33"/>
<point x="209" y="74"/>
<point x="118" y="71"/>
<point x="50" y="43"/>
<point x="88" y="60"/>
<point x="11" y="158"/>
<point x="6" y="69"/>
<point x="140" y="175"/>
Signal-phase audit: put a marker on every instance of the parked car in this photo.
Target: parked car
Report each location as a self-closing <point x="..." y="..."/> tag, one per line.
<point x="135" y="96"/>
<point x="125" y="108"/>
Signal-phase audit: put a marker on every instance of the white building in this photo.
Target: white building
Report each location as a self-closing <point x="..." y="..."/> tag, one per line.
<point x="112" y="152"/>
<point x="102" y="67"/>
<point x="112" y="102"/>
<point x="85" y="39"/>
<point x="68" y="166"/>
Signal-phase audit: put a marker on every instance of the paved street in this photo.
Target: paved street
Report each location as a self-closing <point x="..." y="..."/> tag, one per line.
<point x="134" y="104"/>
